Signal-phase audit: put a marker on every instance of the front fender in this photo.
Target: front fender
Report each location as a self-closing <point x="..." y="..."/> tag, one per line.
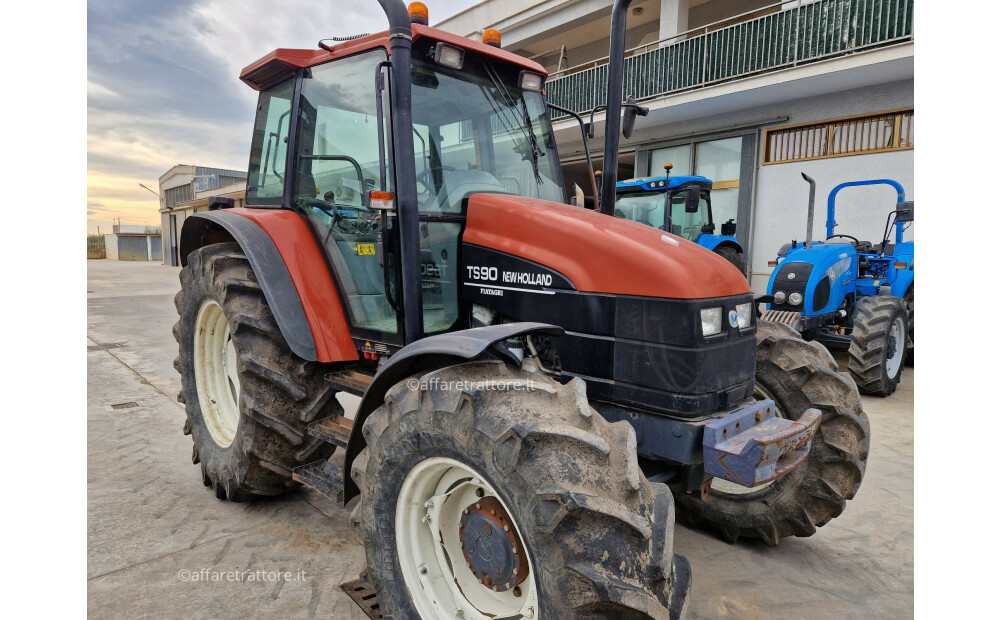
<point x="424" y="356"/>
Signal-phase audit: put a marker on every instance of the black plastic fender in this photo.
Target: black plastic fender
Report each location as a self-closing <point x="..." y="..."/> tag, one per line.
<point x="272" y="274"/>
<point x="430" y="354"/>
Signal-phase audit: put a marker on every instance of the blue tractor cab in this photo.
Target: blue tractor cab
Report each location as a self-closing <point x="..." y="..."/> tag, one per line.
<point x="689" y="214"/>
<point x="851" y="294"/>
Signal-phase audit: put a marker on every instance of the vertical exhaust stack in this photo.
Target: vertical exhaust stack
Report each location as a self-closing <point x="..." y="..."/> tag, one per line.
<point x="812" y="209"/>
<point x="613" y="113"/>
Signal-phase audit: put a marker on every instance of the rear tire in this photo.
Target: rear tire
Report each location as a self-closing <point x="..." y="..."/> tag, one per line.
<point x="731" y="255"/>
<point x="598" y="535"/>
<point x="797" y="375"/>
<point x="246" y="445"/>
<point x="878" y="344"/>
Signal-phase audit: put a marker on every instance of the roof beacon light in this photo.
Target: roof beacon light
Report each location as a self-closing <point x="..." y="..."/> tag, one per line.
<point x="491" y="36"/>
<point x="449" y="56"/>
<point x="667" y="167"/>
<point x="418" y="13"/>
<point x="530" y="81"/>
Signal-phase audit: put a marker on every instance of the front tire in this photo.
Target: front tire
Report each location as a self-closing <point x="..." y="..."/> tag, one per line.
<point x="248" y="398"/>
<point x="797" y="375"/>
<point x="878" y="344"/>
<point x="598" y="536"/>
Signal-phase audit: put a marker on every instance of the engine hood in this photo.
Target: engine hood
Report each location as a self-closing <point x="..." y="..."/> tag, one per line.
<point x="598" y="253"/>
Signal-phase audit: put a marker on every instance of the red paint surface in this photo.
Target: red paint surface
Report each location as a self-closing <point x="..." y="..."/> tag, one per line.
<point x="317" y="292"/>
<point x="600" y="253"/>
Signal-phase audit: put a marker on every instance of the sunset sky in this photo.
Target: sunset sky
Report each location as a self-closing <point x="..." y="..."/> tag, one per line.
<point x="163" y="85"/>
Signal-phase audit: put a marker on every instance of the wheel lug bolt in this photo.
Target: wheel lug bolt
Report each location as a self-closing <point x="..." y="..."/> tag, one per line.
<point x="506" y="528"/>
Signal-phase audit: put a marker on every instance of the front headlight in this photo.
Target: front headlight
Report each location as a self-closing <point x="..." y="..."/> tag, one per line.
<point x="779" y="297"/>
<point x="744" y="312"/>
<point x="711" y="321"/>
<point x="795" y="298"/>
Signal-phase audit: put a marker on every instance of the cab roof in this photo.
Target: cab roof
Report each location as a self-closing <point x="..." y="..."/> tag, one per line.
<point x="282" y="63"/>
<point x="659" y="183"/>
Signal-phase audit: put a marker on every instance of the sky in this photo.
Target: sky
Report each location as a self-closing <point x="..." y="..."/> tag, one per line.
<point x="163" y="85"/>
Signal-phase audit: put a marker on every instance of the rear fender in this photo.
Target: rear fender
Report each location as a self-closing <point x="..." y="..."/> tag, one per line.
<point x="430" y="354"/>
<point x="292" y="273"/>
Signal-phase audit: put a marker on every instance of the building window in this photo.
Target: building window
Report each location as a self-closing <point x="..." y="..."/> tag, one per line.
<point x="857" y="135"/>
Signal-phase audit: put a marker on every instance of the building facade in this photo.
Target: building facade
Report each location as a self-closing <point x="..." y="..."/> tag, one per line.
<point x="748" y="93"/>
<point x="185" y="189"/>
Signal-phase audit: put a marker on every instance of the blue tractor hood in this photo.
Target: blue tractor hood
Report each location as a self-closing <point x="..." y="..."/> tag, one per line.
<point x="821" y="273"/>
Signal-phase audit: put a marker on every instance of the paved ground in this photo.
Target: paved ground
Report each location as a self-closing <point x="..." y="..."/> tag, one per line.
<point x="150" y="518"/>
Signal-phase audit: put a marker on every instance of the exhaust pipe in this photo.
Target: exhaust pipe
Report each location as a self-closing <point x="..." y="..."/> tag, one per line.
<point x="613" y="112"/>
<point x="812" y="209"/>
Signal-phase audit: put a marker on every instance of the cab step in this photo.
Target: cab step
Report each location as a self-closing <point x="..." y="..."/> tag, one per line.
<point x="350" y="381"/>
<point x="322" y="476"/>
<point x="335" y="429"/>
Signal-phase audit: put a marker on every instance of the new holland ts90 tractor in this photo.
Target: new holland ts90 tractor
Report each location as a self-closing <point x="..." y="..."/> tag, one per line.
<point x="539" y="382"/>
<point x="849" y="294"/>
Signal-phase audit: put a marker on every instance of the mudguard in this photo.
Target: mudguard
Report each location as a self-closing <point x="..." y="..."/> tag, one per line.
<point x="710" y="242"/>
<point x="291" y="271"/>
<point x="430" y="354"/>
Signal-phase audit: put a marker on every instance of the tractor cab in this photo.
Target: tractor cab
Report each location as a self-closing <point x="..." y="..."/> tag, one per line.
<point x="681" y="205"/>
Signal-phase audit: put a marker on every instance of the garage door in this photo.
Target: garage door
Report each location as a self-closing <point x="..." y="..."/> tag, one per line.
<point x="132" y="248"/>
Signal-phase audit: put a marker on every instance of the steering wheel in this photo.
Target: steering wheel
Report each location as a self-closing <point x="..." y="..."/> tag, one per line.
<point x="421" y="176"/>
<point x="854" y="239"/>
<point x="348" y="225"/>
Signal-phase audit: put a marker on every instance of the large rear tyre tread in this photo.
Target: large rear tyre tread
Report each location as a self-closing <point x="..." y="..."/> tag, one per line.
<point x="281" y="393"/>
<point x="870" y="347"/>
<point x="798" y="375"/>
<point x="598" y="534"/>
<point x="730" y="254"/>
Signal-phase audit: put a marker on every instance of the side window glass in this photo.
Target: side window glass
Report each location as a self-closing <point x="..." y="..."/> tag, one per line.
<point x="266" y="174"/>
<point x="439" y="274"/>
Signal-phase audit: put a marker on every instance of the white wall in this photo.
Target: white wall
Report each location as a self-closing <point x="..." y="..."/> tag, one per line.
<point x="111" y="247"/>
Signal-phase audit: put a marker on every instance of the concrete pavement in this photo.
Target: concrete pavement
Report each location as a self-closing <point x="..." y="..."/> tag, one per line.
<point x="150" y="518"/>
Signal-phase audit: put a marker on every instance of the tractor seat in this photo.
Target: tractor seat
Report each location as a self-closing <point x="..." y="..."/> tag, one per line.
<point x="864" y="247"/>
<point x="888" y="248"/>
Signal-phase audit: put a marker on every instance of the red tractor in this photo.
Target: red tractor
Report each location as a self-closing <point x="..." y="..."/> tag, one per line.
<point x="539" y="382"/>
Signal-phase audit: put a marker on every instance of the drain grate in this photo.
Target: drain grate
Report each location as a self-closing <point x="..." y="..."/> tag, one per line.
<point x="127" y="405"/>
<point x="364" y="596"/>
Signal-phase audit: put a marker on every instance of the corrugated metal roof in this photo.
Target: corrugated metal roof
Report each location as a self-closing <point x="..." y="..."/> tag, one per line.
<point x="212" y="178"/>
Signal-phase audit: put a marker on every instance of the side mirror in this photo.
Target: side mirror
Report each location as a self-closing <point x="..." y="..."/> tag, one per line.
<point x="692" y="201"/>
<point x="905" y="212"/>
<point x="631" y="111"/>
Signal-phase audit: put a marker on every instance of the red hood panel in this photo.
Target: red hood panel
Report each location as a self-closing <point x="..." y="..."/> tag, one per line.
<point x="599" y="253"/>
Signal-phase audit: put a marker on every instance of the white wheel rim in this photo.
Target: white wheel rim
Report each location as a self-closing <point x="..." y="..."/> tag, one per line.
<point x="897" y="345"/>
<point x="428" y="514"/>
<point x="215" y="373"/>
<point x="726" y="487"/>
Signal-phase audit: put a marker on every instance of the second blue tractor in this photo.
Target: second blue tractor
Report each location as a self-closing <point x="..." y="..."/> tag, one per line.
<point x="851" y="294"/>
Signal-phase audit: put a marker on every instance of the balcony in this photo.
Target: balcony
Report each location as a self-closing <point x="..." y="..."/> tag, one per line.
<point x="793" y="34"/>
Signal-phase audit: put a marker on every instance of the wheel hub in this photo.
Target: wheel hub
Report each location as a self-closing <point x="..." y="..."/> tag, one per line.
<point x="490" y="545"/>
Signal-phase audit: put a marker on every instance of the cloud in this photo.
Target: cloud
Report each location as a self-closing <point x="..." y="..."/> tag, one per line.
<point x="163" y="83"/>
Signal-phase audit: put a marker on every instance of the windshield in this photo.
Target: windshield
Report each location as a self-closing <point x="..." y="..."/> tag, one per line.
<point x="476" y="131"/>
<point x="649" y="208"/>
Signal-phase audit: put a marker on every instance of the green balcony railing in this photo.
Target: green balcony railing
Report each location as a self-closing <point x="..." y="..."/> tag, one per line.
<point x="793" y="34"/>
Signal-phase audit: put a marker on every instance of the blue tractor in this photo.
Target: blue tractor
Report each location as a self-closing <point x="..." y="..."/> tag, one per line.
<point x="850" y="294"/>
<point x="645" y="201"/>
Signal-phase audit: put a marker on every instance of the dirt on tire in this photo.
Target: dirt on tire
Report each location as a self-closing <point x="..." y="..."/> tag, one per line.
<point x="280" y="395"/>
<point x="798" y="375"/>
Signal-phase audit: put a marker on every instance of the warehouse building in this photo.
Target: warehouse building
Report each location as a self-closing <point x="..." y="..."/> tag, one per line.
<point x="748" y="93"/>
<point x="185" y="189"/>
